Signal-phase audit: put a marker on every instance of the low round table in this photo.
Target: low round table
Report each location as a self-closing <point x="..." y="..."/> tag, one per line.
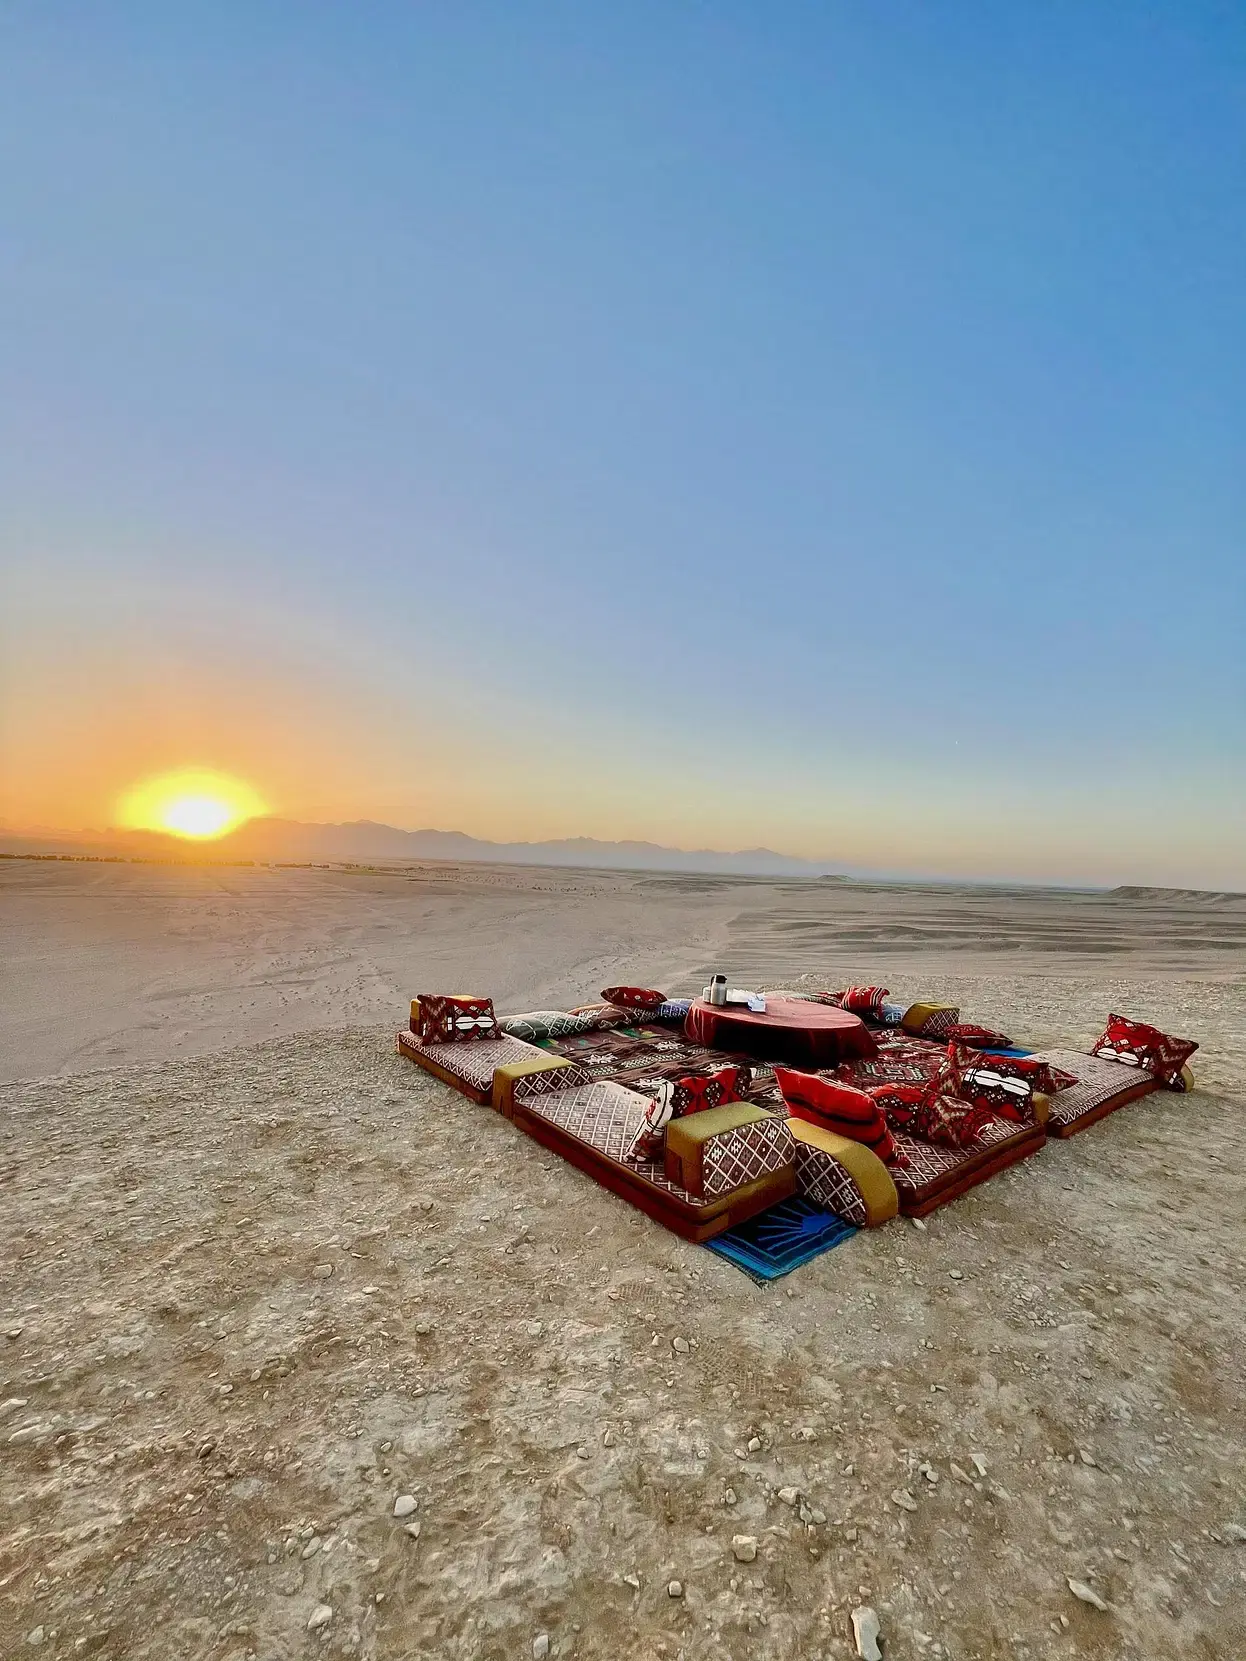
<point x="793" y="1031"/>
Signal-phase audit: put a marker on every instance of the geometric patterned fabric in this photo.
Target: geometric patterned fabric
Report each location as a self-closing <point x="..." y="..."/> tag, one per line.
<point x="474" y="1064"/>
<point x="824" y="1180"/>
<point x="1098" y="1082"/>
<point x="456" y="1019"/>
<point x="607" y="1117"/>
<point x="928" y="1164"/>
<point x="1147" y="1048"/>
<point x="739" y="1156"/>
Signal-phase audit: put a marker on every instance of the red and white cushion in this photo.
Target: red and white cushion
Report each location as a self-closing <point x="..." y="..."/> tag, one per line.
<point x="1137" y="1045"/>
<point x="693" y="1093"/>
<point x="453" y="1018"/>
<point x="841" y="1108"/>
<point x="864" y="1000"/>
<point x="633" y="997"/>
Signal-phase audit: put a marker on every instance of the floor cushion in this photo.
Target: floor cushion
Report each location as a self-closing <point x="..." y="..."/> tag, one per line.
<point x="468" y="1067"/>
<point x="842" y="1175"/>
<point x="723" y="1148"/>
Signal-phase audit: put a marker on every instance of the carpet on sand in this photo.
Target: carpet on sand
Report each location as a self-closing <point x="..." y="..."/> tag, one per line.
<point x="779" y="1240"/>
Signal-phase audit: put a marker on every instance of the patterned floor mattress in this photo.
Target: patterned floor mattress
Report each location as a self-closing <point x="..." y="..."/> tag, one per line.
<point x="468" y="1067"/>
<point x="593" y="1125"/>
<point x="1102" y="1086"/>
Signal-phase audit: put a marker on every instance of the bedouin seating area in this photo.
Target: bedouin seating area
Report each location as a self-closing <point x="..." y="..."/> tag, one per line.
<point x="839" y="1107"/>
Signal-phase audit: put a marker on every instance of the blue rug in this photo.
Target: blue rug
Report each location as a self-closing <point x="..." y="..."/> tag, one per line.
<point x="1012" y="1051"/>
<point x="777" y="1241"/>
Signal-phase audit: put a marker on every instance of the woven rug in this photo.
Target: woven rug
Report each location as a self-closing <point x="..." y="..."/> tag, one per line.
<point x="777" y="1241"/>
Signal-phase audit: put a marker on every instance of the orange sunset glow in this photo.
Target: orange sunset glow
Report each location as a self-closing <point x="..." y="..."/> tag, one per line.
<point x="193" y="802"/>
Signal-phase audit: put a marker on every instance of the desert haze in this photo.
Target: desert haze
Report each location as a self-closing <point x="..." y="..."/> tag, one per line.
<point x="264" y="1277"/>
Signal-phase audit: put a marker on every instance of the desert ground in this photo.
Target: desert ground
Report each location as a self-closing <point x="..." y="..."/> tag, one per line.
<point x="260" y="1278"/>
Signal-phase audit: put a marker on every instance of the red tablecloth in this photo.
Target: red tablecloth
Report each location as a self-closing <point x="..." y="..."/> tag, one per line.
<point x="802" y="1034"/>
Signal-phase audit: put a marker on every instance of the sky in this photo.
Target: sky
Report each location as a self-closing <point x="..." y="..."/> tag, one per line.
<point x="810" y="425"/>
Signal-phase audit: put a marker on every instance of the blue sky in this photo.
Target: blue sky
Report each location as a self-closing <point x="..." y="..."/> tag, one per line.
<point x="803" y="424"/>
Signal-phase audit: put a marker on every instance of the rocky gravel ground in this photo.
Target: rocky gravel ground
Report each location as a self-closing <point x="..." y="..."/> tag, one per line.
<point x="302" y="1354"/>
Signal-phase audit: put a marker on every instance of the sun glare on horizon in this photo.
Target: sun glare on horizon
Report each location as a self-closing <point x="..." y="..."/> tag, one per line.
<point x="194" y="803"/>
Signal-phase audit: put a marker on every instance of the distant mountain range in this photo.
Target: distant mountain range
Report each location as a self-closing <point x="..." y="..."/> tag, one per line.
<point x="281" y="840"/>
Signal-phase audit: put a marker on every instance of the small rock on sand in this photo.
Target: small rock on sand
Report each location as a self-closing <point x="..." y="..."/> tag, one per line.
<point x="405" y="1504"/>
<point x="1085" y="1594"/>
<point x="540" y="1646"/>
<point x="413" y="1529"/>
<point x="744" y="1547"/>
<point x="35" y="1635"/>
<point x="902" y="1498"/>
<point x="866" y="1631"/>
<point x="789" y="1496"/>
<point x="680" y="1346"/>
<point x="674" y="1588"/>
<point x="320" y="1617"/>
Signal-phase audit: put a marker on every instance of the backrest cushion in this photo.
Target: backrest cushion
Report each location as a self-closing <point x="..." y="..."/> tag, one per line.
<point x="919" y="1110"/>
<point x="864" y="1000"/>
<point x="454" y="1018"/>
<point x="695" y="1092"/>
<point x="839" y="1107"/>
<point x="633" y="997"/>
<point x="1145" y="1047"/>
<point x="676" y="1098"/>
<point x="1004" y="1083"/>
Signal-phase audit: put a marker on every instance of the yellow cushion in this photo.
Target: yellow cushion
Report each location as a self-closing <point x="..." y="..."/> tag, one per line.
<point x="686" y="1140"/>
<point x="871" y="1176"/>
<point x="690" y="1130"/>
<point x="916" y="1016"/>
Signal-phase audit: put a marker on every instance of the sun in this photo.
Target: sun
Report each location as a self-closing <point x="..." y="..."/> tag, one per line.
<point x="193" y="802"/>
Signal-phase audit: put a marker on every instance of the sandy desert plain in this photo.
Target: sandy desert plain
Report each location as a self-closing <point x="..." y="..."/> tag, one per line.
<point x="260" y="1277"/>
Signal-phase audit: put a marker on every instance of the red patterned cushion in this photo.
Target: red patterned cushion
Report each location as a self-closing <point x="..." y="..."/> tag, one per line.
<point x="694" y="1092"/>
<point x="838" y="1107"/>
<point x="1146" y="1048"/>
<point x="905" y="1099"/>
<point x="453" y="1018"/>
<point x="1049" y="1079"/>
<point x="675" y="1098"/>
<point x="953" y="1065"/>
<point x="1004" y="1083"/>
<point x="920" y="1110"/>
<point x="940" y="1120"/>
<point x="978" y="1038"/>
<point x="863" y="1000"/>
<point x="633" y="997"/>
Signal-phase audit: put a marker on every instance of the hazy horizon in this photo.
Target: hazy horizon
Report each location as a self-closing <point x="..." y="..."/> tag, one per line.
<point x="810" y="428"/>
<point x="238" y="846"/>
